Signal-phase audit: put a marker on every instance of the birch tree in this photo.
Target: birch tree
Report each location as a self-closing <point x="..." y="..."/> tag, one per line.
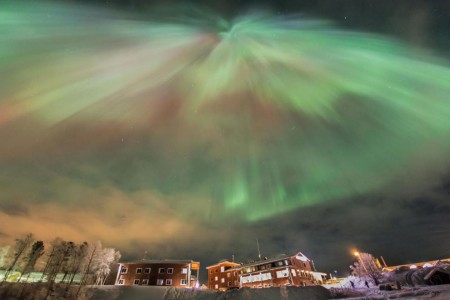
<point x="19" y="249"/>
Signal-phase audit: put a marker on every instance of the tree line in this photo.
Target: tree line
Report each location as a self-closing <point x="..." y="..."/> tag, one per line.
<point x="60" y="262"/>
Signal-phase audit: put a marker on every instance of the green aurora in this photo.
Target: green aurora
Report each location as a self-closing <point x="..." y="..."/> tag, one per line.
<point x="249" y="118"/>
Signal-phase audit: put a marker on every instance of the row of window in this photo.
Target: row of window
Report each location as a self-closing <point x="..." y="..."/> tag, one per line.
<point x="124" y="270"/>
<point x="268" y="266"/>
<point x="222" y="269"/>
<point x="158" y="282"/>
<point x="229" y="284"/>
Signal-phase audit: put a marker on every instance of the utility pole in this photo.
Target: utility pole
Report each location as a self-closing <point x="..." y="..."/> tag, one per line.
<point x="257" y="246"/>
<point x="382" y="259"/>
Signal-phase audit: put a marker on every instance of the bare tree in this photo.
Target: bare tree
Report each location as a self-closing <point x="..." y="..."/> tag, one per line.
<point x="89" y="258"/>
<point x="79" y="257"/>
<point x="36" y="251"/>
<point x="60" y="252"/>
<point x="20" y="247"/>
<point x="102" y="263"/>
<point x="68" y="261"/>
<point x="5" y="254"/>
<point x="366" y="266"/>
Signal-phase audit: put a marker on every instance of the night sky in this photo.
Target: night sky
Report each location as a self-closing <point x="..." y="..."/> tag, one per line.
<point x="190" y="129"/>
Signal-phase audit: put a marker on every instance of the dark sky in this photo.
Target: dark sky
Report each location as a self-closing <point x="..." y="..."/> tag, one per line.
<point x="189" y="129"/>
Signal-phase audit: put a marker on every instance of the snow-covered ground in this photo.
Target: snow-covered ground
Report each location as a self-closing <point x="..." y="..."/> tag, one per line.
<point x="161" y="293"/>
<point x="436" y="292"/>
<point x="11" y="291"/>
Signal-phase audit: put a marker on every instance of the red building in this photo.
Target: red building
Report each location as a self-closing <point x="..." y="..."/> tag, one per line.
<point x="223" y="276"/>
<point x="177" y="273"/>
<point x="294" y="270"/>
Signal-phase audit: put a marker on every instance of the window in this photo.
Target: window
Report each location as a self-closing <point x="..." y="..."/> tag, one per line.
<point x="138" y="270"/>
<point x="161" y="271"/>
<point x="147" y="270"/>
<point x="228" y="274"/>
<point x="293" y="272"/>
<point x="183" y="282"/>
<point x="123" y="270"/>
<point x="136" y="282"/>
<point x="216" y="286"/>
<point x="211" y="279"/>
<point x="216" y="278"/>
<point x="229" y="283"/>
<point x="184" y="271"/>
<point x="222" y="269"/>
<point x="144" y="281"/>
<point x="121" y="281"/>
<point x="282" y="273"/>
<point x="169" y="270"/>
<point x="168" y="281"/>
<point x="160" y="282"/>
<point x="222" y="280"/>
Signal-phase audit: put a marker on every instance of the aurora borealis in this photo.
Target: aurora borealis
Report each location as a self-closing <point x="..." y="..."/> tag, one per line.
<point x="111" y="122"/>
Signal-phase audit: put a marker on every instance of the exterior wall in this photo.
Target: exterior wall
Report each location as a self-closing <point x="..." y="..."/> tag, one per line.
<point x="286" y="271"/>
<point x="162" y="274"/>
<point x="223" y="276"/>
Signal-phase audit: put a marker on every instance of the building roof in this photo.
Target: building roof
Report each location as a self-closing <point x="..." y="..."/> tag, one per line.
<point x="161" y="261"/>
<point x="226" y="262"/>
<point x="299" y="256"/>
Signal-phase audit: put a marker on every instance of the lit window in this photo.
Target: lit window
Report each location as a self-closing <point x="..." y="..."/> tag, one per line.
<point x="144" y="281"/>
<point x="161" y="271"/>
<point x="160" y="282"/>
<point x="121" y="281"/>
<point x="123" y="270"/>
<point x="138" y="270"/>
<point x="168" y="281"/>
<point x="216" y="286"/>
<point x="136" y="282"/>
<point x="216" y="278"/>
<point x="183" y="282"/>
<point x="228" y="274"/>
<point x="222" y="280"/>
<point x="169" y="270"/>
<point x="184" y="271"/>
<point x="222" y="269"/>
<point x="147" y="270"/>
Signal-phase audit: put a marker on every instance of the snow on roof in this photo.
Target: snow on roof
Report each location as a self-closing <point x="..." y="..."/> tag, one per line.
<point x="301" y="256"/>
<point x="223" y="262"/>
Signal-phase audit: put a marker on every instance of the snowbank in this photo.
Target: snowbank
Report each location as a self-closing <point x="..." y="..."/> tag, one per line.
<point x="162" y="293"/>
